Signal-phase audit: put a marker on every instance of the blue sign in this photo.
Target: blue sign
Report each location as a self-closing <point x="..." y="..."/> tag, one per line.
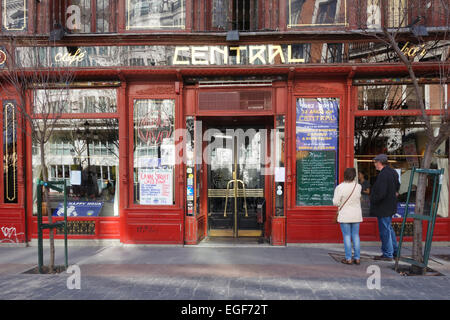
<point x="79" y="209"/>
<point x="317" y="124"/>
<point x="401" y="208"/>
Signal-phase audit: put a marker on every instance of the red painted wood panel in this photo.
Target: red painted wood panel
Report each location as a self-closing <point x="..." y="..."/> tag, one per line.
<point x="150" y="232"/>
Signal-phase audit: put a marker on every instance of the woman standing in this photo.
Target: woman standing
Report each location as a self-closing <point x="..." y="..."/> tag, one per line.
<point x="347" y="197"/>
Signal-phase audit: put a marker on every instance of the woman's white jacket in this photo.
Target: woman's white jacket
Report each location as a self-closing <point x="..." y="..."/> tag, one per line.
<point x="351" y="211"/>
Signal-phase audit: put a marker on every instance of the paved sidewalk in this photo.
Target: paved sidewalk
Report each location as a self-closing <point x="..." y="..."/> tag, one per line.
<point x="295" y="272"/>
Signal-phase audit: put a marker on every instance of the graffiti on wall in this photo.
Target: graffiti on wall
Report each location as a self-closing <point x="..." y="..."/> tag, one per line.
<point x="9" y="235"/>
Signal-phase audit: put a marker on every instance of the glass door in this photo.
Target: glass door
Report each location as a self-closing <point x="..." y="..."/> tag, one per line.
<point x="236" y="201"/>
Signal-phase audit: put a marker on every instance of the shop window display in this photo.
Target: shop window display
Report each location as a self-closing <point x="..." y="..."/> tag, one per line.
<point x="154" y="151"/>
<point x="403" y="139"/>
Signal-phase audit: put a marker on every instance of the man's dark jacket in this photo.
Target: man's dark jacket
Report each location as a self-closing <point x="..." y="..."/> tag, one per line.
<point x="383" y="198"/>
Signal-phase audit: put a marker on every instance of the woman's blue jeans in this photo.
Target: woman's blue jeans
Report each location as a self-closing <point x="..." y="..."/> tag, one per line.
<point x="350" y="233"/>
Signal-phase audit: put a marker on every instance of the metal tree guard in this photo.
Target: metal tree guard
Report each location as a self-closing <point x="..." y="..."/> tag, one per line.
<point x="42" y="226"/>
<point x="436" y="173"/>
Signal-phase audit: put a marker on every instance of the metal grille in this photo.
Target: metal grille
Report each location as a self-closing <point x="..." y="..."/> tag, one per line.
<point x="235" y="100"/>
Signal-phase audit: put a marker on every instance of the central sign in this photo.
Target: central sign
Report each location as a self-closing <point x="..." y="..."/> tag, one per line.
<point x="256" y="54"/>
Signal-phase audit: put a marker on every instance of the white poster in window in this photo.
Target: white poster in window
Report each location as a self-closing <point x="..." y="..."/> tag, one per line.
<point x="279" y="174"/>
<point x="167" y="154"/>
<point x="155" y="186"/>
<point x="75" y="178"/>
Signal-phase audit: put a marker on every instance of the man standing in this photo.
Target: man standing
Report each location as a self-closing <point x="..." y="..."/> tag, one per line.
<point x="383" y="204"/>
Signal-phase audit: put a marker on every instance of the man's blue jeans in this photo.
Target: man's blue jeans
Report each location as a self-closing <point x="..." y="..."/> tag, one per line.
<point x="387" y="235"/>
<point x="350" y="233"/>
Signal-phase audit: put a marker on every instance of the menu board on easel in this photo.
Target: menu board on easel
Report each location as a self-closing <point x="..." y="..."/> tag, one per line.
<point x="316" y="146"/>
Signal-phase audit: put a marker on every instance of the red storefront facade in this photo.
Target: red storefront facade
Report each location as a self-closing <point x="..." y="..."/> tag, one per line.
<point x="261" y="93"/>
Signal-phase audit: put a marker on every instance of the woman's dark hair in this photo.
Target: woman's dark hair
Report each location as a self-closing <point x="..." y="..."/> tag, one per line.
<point x="349" y="174"/>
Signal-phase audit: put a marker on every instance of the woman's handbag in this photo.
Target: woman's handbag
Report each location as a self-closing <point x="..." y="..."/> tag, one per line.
<point x="340" y="208"/>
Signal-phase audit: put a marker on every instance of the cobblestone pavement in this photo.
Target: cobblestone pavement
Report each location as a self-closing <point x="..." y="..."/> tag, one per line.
<point x="203" y="273"/>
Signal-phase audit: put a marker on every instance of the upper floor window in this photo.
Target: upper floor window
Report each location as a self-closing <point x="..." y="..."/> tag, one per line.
<point x="86" y="16"/>
<point x="157" y="14"/>
<point x="14" y="15"/>
<point x="316" y="12"/>
<point x="242" y="15"/>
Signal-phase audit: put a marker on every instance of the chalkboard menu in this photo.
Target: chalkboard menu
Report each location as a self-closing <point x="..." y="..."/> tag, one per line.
<point x="316" y="178"/>
<point x="316" y="146"/>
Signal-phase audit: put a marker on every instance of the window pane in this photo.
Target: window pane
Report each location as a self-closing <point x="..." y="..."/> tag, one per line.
<point x="220" y="14"/>
<point x="90" y="194"/>
<point x="404" y="140"/>
<point x="76" y="101"/>
<point x="317" y="150"/>
<point x="143" y="14"/>
<point x="14" y="15"/>
<point x="154" y="152"/>
<point x="316" y="12"/>
<point x="9" y="152"/>
<point x="388" y="97"/>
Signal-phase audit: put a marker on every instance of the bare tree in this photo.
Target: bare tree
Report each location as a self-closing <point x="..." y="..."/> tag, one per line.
<point x="40" y="86"/>
<point x="413" y="32"/>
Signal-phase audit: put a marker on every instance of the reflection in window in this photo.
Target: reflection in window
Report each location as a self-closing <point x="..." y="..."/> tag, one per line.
<point x="9" y="152"/>
<point x="143" y="14"/>
<point x="397" y="97"/>
<point x="397" y="13"/>
<point x="77" y="101"/>
<point x="14" y="15"/>
<point x="154" y="152"/>
<point x="75" y="153"/>
<point x="333" y="53"/>
<point x="77" y="16"/>
<point x="404" y="140"/>
<point x="316" y="12"/>
<point x="220" y="14"/>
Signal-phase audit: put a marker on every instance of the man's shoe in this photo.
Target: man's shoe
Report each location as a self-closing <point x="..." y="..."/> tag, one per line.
<point x="383" y="258"/>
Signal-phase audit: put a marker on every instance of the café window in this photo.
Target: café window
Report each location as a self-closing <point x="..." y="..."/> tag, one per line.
<point x="76" y="101"/>
<point x="86" y="16"/>
<point x="9" y="152"/>
<point x="316" y="12"/>
<point x="84" y="153"/>
<point x="317" y="128"/>
<point x="154" y="151"/>
<point x="401" y="97"/>
<point x="158" y="14"/>
<point x="14" y="15"/>
<point x="404" y="140"/>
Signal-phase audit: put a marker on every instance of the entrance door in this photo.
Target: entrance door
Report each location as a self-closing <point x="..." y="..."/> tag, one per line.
<point x="236" y="203"/>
